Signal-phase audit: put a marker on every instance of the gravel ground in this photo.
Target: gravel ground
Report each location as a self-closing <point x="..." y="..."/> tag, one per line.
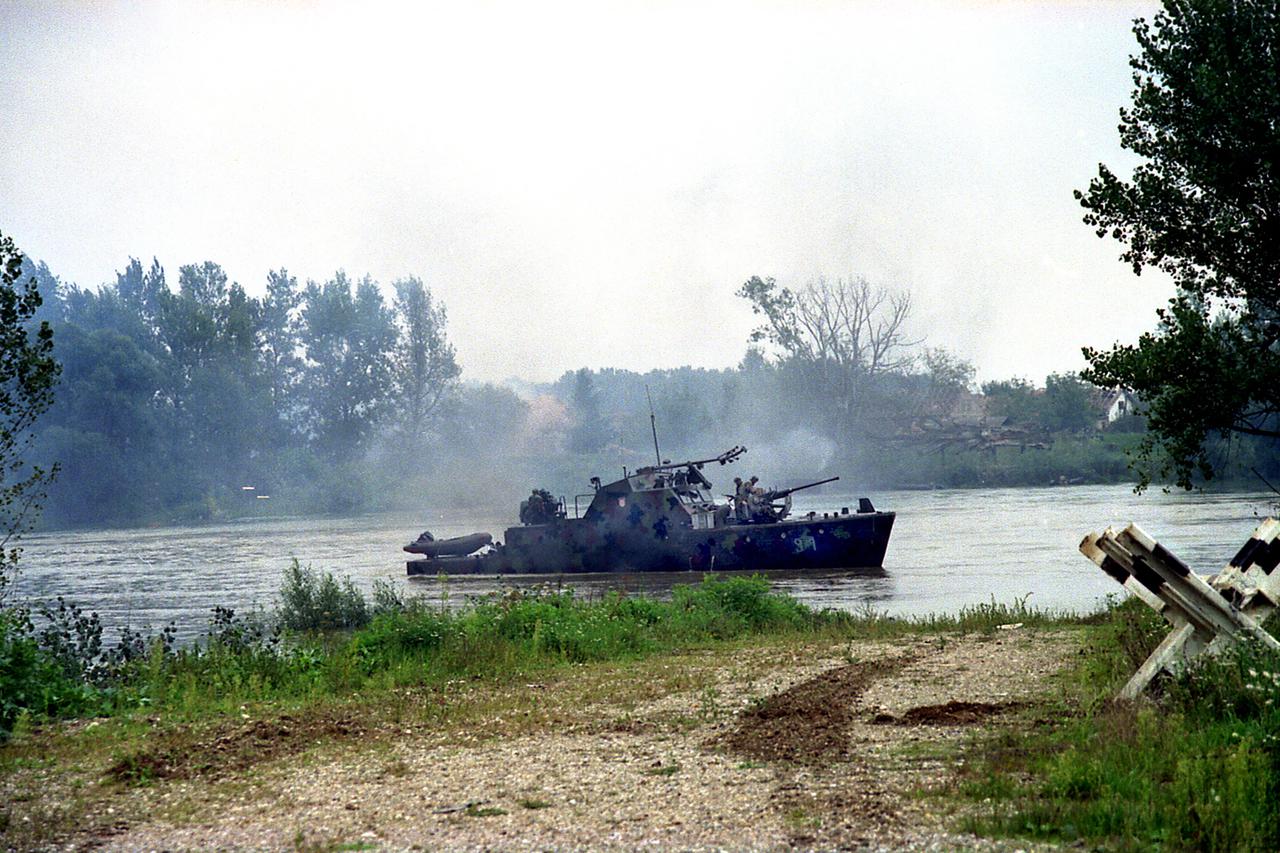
<point x="818" y="748"/>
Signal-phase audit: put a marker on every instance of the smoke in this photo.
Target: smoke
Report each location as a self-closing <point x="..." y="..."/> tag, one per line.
<point x="547" y="421"/>
<point x="796" y="456"/>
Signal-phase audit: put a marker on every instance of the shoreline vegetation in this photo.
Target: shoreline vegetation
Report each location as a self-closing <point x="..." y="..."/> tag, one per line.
<point x="94" y="735"/>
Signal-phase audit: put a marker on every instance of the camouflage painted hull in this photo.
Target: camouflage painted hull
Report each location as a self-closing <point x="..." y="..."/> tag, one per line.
<point x="836" y="541"/>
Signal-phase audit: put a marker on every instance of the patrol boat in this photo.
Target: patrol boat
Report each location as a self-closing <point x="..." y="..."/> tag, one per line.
<point x="665" y="518"/>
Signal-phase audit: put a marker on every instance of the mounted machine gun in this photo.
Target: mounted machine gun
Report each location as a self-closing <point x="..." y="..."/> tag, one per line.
<point x="723" y="459"/>
<point x="775" y="505"/>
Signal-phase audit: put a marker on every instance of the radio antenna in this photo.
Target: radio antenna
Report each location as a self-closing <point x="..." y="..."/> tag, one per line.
<point x="653" y="425"/>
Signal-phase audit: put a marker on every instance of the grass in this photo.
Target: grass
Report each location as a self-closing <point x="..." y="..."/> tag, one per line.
<point x="1198" y="768"/>
<point x="533" y="803"/>
<point x="663" y="770"/>
<point x="409" y="670"/>
<point x="484" y="811"/>
<point x="327" y="642"/>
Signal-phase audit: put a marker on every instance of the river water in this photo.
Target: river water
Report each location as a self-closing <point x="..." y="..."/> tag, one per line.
<point x="949" y="548"/>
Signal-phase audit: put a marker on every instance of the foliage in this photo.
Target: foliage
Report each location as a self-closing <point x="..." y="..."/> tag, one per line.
<point x="174" y="399"/>
<point x="1199" y="770"/>
<point x="316" y="601"/>
<point x="325" y="398"/>
<point x="425" y="367"/>
<point x="522" y="628"/>
<point x="1202" y="207"/>
<point x="349" y="338"/>
<point x="1014" y="399"/>
<point x="948" y="379"/>
<point x="28" y="373"/>
<point x="589" y="432"/>
<point x="33" y="682"/>
<point x="61" y="670"/>
<point x="1067" y="404"/>
<point x="839" y="337"/>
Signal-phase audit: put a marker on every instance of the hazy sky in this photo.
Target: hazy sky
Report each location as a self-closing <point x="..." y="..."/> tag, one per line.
<point x="588" y="184"/>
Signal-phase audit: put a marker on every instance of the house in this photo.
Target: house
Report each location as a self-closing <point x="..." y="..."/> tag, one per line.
<point x="1119" y="404"/>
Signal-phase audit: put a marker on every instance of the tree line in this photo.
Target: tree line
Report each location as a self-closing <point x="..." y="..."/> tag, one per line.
<point x="329" y="396"/>
<point x="173" y="399"/>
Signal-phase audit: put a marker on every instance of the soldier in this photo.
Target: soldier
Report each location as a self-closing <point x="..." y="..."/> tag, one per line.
<point x="755" y="497"/>
<point x="531" y="509"/>
<point x="740" y="492"/>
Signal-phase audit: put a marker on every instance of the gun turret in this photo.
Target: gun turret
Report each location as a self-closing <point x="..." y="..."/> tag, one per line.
<point x="778" y="494"/>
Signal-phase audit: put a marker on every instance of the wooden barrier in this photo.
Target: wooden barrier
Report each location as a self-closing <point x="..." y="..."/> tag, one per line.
<point x="1205" y="615"/>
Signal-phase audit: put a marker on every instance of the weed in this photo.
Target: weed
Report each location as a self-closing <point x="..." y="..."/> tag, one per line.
<point x="709" y="708"/>
<point x="799" y="819"/>
<point x="135" y="769"/>
<point x="398" y="768"/>
<point x="315" y="601"/>
<point x="533" y="803"/>
<point x="484" y="811"/>
<point x="663" y="770"/>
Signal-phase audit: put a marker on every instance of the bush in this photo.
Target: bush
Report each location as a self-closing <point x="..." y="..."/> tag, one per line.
<point x="725" y="608"/>
<point x="32" y="681"/>
<point x="315" y="601"/>
<point x="1242" y="684"/>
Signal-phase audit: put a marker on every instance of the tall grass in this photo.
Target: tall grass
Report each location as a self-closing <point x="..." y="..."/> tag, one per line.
<point x="1199" y="768"/>
<point x="316" y="601"/>
<point x="325" y="640"/>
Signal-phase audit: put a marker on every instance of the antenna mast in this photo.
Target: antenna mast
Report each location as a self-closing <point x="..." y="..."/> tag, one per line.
<point x="653" y="425"/>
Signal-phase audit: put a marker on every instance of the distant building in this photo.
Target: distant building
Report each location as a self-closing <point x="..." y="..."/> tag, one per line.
<point x="1118" y="404"/>
<point x="968" y="408"/>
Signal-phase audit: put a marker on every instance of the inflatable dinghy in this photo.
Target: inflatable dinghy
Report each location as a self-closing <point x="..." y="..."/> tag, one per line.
<point x="458" y="546"/>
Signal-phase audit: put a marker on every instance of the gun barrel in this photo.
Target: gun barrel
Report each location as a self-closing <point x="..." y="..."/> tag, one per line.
<point x="724" y="458"/>
<point x="782" y="493"/>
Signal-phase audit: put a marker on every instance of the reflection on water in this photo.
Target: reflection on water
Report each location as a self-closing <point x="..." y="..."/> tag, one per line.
<point x="950" y="548"/>
<point x="845" y="589"/>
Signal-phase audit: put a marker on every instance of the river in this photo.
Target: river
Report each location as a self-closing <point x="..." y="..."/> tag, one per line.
<point x="950" y="548"/>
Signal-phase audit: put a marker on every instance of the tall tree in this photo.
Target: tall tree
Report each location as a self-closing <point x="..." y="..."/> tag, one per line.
<point x="589" y="433"/>
<point x="948" y="378"/>
<point x="425" y="367"/>
<point x="221" y="406"/>
<point x="349" y="337"/>
<point x="1203" y="206"/>
<point x="142" y="290"/>
<point x="1068" y="404"/>
<point x="838" y="338"/>
<point x="1015" y="399"/>
<point x="28" y="373"/>
<point x="106" y="430"/>
<point x="278" y="337"/>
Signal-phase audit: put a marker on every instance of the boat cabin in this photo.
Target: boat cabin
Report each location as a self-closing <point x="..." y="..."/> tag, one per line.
<point x="681" y="496"/>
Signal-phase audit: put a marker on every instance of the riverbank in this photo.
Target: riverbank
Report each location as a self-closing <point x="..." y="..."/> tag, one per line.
<point x="768" y="742"/>
<point x="726" y="717"/>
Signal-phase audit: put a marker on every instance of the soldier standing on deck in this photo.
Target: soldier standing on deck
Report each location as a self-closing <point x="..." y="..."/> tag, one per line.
<point x="755" y="497"/>
<point x="740" y="492"/>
